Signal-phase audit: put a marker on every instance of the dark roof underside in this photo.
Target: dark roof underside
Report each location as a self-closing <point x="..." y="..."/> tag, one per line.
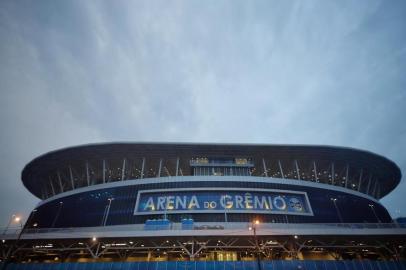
<point x="42" y="165"/>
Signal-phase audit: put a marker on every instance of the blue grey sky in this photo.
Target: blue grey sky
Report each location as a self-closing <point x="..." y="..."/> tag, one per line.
<point x="286" y="72"/>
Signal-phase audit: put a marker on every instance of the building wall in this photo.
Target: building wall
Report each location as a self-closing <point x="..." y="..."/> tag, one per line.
<point x="88" y="208"/>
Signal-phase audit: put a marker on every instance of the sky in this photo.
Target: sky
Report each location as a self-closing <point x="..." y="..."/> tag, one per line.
<point x="272" y="72"/>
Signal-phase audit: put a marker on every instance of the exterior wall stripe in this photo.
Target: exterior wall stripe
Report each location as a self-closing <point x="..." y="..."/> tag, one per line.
<point x="252" y="179"/>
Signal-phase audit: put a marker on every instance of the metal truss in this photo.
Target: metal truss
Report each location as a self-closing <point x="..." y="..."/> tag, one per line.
<point x="190" y="248"/>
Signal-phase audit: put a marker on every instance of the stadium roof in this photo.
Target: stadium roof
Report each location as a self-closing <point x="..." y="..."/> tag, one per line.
<point x="55" y="163"/>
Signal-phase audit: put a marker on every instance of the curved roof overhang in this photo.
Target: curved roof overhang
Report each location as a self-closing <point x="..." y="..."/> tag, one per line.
<point x="41" y="166"/>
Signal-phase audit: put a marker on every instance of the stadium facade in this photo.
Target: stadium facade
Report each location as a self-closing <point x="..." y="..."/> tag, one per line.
<point x="208" y="202"/>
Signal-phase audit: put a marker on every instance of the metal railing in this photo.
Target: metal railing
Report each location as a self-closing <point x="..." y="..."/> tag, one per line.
<point x="226" y="265"/>
<point x="211" y="226"/>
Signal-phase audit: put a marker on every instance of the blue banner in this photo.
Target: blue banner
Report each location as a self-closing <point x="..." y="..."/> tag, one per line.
<point x="205" y="200"/>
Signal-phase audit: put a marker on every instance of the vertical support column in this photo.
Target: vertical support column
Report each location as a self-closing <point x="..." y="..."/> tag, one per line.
<point x="297" y="170"/>
<point x="71" y="177"/>
<point x="360" y="179"/>
<point x="142" y="168"/>
<point x="280" y="168"/>
<point x="369" y="184"/>
<point x="192" y="255"/>
<point x="225" y="210"/>
<point x="264" y="165"/>
<point x="43" y="196"/>
<point x="46" y="190"/>
<point x="52" y="186"/>
<point x="104" y="171"/>
<point x="333" y="179"/>
<point x="87" y="174"/>
<point x="346" y="175"/>
<point x="59" y="180"/>
<point x="123" y="170"/>
<point x="177" y="166"/>
<point x="160" y="167"/>
<point x="315" y="170"/>
<point x="374" y="190"/>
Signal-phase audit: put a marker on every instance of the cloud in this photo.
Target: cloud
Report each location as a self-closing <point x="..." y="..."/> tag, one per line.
<point x="264" y="72"/>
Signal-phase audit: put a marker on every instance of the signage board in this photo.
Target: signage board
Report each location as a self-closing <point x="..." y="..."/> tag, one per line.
<point x="222" y="200"/>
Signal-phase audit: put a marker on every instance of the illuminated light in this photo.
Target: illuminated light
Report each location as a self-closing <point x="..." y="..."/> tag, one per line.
<point x="296" y="237"/>
<point x="94" y="239"/>
<point x="17" y="219"/>
<point x="270" y="242"/>
<point x="131" y="242"/>
<point x="167" y="241"/>
<point x="80" y="243"/>
<point x="35" y="225"/>
<point x="142" y="245"/>
<point x="3" y="241"/>
<point x="256" y="222"/>
<point x="250" y="228"/>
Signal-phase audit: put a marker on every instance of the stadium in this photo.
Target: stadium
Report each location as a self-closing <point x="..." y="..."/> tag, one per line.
<point x="207" y="206"/>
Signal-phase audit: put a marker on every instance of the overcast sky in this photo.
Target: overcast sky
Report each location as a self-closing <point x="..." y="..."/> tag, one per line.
<point x="289" y="72"/>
